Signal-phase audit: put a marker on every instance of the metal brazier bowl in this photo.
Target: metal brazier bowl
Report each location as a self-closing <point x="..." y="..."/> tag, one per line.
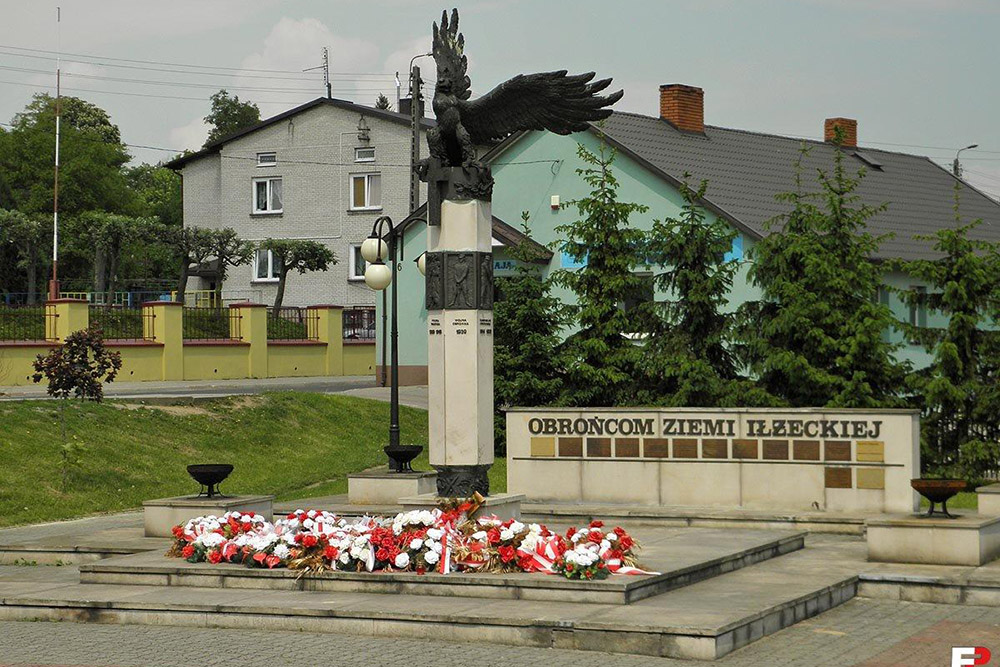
<point x="210" y="475"/>
<point x="400" y="456"/>
<point x="938" y="491"/>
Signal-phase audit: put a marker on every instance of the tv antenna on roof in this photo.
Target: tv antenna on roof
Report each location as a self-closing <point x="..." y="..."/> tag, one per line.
<point x="326" y="72"/>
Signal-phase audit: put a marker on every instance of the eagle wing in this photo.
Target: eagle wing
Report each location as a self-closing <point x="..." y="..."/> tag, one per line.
<point x="549" y="101"/>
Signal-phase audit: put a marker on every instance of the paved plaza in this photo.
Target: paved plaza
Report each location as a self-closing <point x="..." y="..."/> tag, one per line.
<point x="866" y="630"/>
<point x="872" y="633"/>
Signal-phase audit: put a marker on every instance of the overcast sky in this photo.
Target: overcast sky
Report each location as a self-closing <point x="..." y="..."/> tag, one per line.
<point x="920" y="76"/>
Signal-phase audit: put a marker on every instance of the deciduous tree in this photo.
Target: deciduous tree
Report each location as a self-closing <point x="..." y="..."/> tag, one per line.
<point x="108" y="234"/>
<point x="228" y="250"/>
<point x="91" y="156"/>
<point x="158" y="192"/>
<point x="27" y="238"/>
<point x="193" y="245"/>
<point x="229" y="115"/>
<point x="79" y="367"/>
<point x="300" y="255"/>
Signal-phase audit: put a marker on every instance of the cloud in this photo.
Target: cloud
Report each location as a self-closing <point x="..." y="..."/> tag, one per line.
<point x="910" y="6"/>
<point x="191" y="136"/>
<point x="399" y="61"/>
<point x="297" y="44"/>
<point x="87" y="25"/>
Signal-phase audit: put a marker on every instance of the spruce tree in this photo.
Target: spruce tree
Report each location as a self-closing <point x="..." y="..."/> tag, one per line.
<point x="601" y="358"/>
<point x="958" y="392"/>
<point x="527" y="366"/>
<point x="816" y="338"/>
<point x="688" y="358"/>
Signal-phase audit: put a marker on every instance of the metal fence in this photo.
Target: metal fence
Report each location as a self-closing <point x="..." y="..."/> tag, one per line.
<point x="359" y="323"/>
<point x="122" y="323"/>
<point x="24" y="323"/>
<point x="211" y="298"/>
<point x="941" y="442"/>
<point x="127" y="299"/>
<point x="211" y="324"/>
<point x="291" y="323"/>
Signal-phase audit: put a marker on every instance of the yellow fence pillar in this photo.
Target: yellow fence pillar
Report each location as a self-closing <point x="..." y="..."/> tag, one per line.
<point x="64" y="316"/>
<point x="164" y="324"/>
<point x="330" y="325"/>
<point x="249" y="324"/>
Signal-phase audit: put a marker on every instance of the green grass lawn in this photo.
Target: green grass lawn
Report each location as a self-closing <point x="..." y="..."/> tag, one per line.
<point x="290" y="444"/>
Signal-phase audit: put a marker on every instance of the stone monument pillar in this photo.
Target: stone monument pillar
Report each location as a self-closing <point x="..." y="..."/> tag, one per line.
<point x="459" y="300"/>
<point x="459" y="262"/>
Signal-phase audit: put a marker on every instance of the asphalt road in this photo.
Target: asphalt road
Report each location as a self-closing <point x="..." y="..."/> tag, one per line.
<point x="209" y="388"/>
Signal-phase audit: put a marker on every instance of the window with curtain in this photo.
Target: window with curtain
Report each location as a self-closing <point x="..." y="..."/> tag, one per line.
<point x="264" y="268"/>
<point x="358" y="264"/>
<point x="366" y="191"/>
<point x="267" y="195"/>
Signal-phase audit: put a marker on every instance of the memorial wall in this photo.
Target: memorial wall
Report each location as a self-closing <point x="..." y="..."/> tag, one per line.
<point x="766" y="459"/>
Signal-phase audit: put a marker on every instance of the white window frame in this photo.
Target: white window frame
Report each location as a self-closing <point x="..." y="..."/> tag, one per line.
<point x="368" y="206"/>
<point x="270" y="268"/>
<point x="352" y="274"/>
<point x="358" y="150"/>
<point x="253" y="195"/>
<point x="273" y="162"/>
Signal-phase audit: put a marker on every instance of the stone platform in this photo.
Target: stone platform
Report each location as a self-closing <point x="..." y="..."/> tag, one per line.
<point x="578" y="514"/>
<point x="704" y="619"/>
<point x="160" y="516"/>
<point x="989" y="499"/>
<point x="384" y="487"/>
<point x="968" y="539"/>
<point x="679" y="563"/>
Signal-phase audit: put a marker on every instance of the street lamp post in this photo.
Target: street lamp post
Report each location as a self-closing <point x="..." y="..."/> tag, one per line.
<point x="956" y="167"/>
<point x="379" y="276"/>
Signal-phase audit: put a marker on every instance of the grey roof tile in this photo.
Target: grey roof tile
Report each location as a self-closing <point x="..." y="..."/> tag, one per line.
<point x="746" y="169"/>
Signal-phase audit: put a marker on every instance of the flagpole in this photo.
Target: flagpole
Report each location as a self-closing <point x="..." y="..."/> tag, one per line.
<point x="54" y="283"/>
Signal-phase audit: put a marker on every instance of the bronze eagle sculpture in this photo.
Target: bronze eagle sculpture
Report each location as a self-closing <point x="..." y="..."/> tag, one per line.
<point x="549" y="101"/>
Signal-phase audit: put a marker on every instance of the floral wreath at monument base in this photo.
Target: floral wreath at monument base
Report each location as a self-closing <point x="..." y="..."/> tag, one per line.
<point x="443" y="540"/>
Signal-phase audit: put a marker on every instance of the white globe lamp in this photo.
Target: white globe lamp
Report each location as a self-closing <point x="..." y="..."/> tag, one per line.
<point x="422" y="263"/>
<point x="378" y="275"/>
<point x="374" y="248"/>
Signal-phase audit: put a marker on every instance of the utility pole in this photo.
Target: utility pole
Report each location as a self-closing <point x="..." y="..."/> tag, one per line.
<point x="397" y="91"/>
<point x="415" y="137"/>
<point x="54" y="282"/>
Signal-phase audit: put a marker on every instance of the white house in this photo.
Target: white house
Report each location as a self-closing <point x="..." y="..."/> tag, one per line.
<point x="323" y="171"/>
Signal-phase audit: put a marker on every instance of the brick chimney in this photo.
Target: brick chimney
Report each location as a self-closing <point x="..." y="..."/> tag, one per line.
<point x="683" y="107"/>
<point x="849" y="126"/>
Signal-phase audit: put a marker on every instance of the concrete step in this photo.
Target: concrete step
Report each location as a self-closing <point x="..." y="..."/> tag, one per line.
<point x="941" y="584"/>
<point x="680" y="562"/>
<point x="705" y="620"/>
<point x="77" y="541"/>
<point x="579" y="514"/>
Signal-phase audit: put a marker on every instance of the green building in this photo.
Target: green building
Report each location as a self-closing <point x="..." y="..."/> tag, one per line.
<point x="536" y="171"/>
